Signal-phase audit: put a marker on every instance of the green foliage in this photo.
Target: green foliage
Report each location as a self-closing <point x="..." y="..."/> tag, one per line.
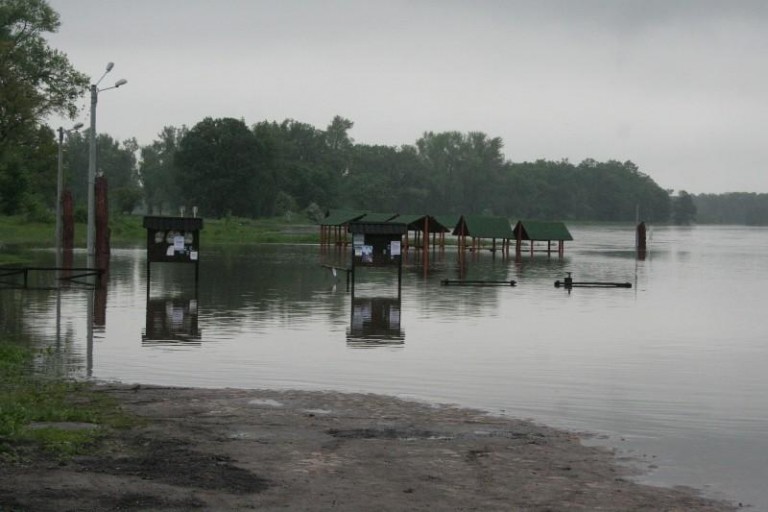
<point x="156" y="171"/>
<point x="126" y="199"/>
<point x="300" y="161"/>
<point x="26" y="400"/>
<point x="37" y="80"/>
<point x="290" y="165"/>
<point x="732" y="208"/>
<point x="19" y="230"/>
<point x="115" y="160"/>
<point x="683" y="209"/>
<point x="219" y="168"/>
<point x="313" y="213"/>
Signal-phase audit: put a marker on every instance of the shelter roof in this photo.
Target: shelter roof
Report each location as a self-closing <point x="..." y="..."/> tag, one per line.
<point x="416" y="223"/>
<point x="449" y="221"/>
<point x="178" y="223"/>
<point x="542" y="230"/>
<point x="341" y="217"/>
<point x="483" y="226"/>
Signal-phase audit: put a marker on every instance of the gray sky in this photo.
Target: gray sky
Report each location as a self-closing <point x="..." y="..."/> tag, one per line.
<point x="680" y="87"/>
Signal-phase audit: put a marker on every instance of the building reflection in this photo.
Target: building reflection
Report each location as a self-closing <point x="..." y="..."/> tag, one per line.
<point x="171" y="320"/>
<point x="375" y="322"/>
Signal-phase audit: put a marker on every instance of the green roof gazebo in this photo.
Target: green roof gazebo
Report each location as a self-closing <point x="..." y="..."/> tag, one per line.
<point x="481" y="227"/>
<point x="541" y="231"/>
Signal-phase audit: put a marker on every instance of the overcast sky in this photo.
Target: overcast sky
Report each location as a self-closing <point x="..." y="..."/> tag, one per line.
<point x="678" y="87"/>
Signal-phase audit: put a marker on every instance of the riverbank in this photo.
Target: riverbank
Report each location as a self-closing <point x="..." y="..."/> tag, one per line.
<point x="235" y="449"/>
<point x="127" y="230"/>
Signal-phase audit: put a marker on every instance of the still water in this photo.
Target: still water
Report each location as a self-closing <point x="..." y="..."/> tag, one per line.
<point x="671" y="372"/>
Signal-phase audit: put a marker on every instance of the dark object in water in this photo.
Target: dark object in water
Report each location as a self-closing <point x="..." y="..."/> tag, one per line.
<point x="587" y="284"/>
<point x="462" y="282"/>
<point x="570" y="283"/>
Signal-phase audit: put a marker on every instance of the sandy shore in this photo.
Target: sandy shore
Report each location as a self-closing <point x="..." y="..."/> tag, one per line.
<point x="233" y="449"/>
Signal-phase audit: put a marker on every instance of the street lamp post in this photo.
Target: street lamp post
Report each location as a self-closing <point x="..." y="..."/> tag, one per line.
<point x="60" y="183"/>
<point x="91" y="239"/>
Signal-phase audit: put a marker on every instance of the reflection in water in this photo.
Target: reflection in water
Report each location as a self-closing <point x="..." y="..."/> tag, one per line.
<point x="375" y="323"/>
<point x="674" y="367"/>
<point x="171" y="320"/>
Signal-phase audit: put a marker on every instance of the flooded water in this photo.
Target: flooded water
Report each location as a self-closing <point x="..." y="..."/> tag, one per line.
<point x="671" y="371"/>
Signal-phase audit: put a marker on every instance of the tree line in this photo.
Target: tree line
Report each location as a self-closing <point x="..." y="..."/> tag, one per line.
<point x="224" y="167"/>
<point x="746" y="208"/>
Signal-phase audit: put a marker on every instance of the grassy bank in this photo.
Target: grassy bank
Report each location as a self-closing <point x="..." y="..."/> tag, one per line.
<point x="61" y="417"/>
<point x="18" y="234"/>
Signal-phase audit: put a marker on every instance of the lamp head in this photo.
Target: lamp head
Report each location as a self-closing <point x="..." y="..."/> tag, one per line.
<point x="77" y="126"/>
<point x="120" y="82"/>
<point x="110" y="65"/>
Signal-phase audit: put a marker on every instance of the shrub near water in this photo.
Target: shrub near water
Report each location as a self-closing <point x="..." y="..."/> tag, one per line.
<point x="26" y="400"/>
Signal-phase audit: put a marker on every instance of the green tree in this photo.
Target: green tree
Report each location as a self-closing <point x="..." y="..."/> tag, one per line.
<point x="464" y="170"/>
<point x="28" y="176"/>
<point x="156" y="171"/>
<point x="219" y="168"/>
<point x="35" y="81"/>
<point x="683" y="208"/>
<point x="384" y="178"/>
<point x="304" y="163"/>
<point x="115" y="161"/>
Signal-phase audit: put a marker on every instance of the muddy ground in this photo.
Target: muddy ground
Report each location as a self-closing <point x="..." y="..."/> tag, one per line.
<point x="270" y="450"/>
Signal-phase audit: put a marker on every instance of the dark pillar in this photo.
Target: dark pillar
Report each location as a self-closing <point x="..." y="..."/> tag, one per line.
<point x="68" y="221"/>
<point x="102" y="223"/>
<point x="641" y="241"/>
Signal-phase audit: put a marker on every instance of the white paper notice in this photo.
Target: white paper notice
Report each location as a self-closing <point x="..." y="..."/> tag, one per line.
<point x="394" y="248"/>
<point x="178" y="243"/>
<point x="169" y="251"/>
<point x="193" y="255"/>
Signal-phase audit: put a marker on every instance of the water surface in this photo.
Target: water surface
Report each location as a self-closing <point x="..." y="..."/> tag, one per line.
<point x="670" y="371"/>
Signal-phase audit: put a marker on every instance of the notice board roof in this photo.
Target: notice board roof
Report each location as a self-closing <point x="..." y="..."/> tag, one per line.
<point x="378" y="217"/>
<point x="178" y="223"/>
<point x="378" y="228"/>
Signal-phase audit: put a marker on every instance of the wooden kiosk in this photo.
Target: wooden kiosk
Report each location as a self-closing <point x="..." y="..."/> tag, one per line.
<point x="173" y="240"/>
<point x="377" y="244"/>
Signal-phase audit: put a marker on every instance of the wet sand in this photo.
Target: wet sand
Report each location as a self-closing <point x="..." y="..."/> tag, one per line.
<point x="233" y="449"/>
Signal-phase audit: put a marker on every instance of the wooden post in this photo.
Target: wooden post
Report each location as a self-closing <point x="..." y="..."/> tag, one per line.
<point x="102" y="223"/>
<point x="68" y="218"/>
<point x="640" y="241"/>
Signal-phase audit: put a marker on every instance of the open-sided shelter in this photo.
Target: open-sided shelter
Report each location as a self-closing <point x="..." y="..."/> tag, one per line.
<point x="333" y="228"/>
<point x="534" y="231"/>
<point x="422" y="226"/>
<point x="480" y="227"/>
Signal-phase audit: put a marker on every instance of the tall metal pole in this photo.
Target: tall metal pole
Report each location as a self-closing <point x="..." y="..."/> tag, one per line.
<point x="92" y="175"/>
